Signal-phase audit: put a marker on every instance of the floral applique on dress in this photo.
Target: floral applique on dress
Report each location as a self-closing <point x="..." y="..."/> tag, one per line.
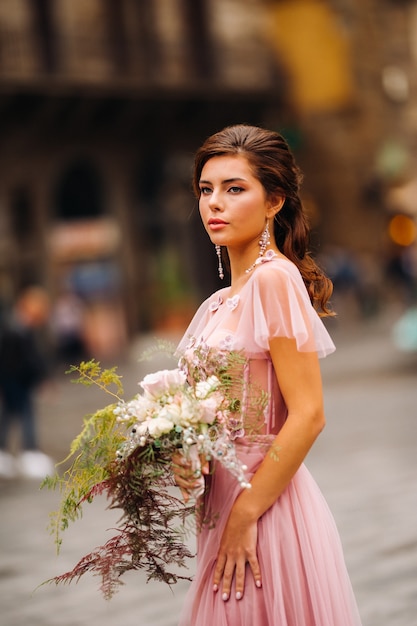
<point x="214" y="304"/>
<point x="227" y="343"/>
<point x="232" y="302"/>
<point x="268" y="256"/>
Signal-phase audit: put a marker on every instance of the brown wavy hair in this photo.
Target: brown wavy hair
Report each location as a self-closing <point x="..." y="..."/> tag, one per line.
<point x="273" y="164"/>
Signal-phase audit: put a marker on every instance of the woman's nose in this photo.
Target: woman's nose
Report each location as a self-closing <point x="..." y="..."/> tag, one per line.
<point x="215" y="202"/>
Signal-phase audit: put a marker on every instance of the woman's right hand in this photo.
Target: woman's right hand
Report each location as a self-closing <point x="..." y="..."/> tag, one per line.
<point x="187" y="477"/>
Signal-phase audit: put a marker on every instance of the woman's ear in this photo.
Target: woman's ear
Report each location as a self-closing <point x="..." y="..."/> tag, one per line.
<point x="275" y="206"/>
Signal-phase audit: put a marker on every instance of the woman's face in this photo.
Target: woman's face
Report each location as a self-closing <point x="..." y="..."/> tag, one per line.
<point x="233" y="203"/>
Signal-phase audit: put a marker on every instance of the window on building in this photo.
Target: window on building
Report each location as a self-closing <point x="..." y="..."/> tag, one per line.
<point x="79" y="192"/>
<point x="22" y="218"/>
<point x="45" y="33"/>
<point x="117" y="34"/>
<point x="199" y="37"/>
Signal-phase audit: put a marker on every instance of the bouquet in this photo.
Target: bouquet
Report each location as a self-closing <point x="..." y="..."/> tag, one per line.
<point x="125" y="451"/>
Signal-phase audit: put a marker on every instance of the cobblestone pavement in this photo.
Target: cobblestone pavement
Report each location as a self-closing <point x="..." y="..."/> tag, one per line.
<point x="365" y="463"/>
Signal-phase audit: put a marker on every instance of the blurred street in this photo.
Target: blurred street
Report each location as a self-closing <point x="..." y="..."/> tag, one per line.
<point x="364" y="462"/>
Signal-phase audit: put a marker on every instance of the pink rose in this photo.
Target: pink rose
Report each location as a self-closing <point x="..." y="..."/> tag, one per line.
<point x="163" y="382"/>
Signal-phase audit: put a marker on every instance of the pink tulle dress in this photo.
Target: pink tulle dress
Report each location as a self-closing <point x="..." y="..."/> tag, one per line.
<point x="304" y="578"/>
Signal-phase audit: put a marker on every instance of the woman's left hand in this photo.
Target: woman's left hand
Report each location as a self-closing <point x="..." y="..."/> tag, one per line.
<point x="237" y="547"/>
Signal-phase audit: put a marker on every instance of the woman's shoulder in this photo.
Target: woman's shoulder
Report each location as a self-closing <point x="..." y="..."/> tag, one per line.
<point x="278" y="283"/>
<point x="281" y="307"/>
<point x="279" y="262"/>
<point x="277" y="269"/>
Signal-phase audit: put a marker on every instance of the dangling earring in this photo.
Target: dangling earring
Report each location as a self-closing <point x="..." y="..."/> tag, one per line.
<point x="219" y="255"/>
<point x="263" y="244"/>
<point x="264" y="240"/>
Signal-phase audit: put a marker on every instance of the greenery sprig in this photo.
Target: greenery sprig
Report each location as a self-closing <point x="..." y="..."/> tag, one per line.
<point x="151" y="529"/>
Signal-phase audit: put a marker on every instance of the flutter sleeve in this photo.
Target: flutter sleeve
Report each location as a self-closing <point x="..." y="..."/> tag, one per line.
<point x="280" y="307"/>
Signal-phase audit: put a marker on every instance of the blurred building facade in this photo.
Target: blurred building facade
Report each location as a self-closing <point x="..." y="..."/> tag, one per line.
<point x="103" y="102"/>
<point x="353" y="91"/>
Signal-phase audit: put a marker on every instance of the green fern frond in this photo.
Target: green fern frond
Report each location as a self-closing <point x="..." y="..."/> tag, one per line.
<point x="161" y="346"/>
<point x="92" y="452"/>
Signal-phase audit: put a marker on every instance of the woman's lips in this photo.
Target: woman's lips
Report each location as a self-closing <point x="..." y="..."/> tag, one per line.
<point x="215" y="224"/>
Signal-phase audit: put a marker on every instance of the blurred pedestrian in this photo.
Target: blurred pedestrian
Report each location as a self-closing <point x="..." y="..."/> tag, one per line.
<point x="68" y="327"/>
<point x="23" y="368"/>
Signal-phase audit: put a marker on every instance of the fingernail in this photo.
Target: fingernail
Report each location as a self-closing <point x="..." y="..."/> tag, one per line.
<point x="238" y="595"/>
<point x="258" y="584"/>
<point x="215" y="587"/>
<point x="225" y="596"/>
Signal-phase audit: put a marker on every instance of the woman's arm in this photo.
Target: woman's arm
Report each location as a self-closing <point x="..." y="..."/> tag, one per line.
<point x="299" y="378"/>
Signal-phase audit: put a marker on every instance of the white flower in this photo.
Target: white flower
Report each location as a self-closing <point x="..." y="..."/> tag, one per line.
<point x="182" y="411"/>
<point x="171" y="412"/>
<point x="204" y="387"/>
<point x="141" y="429"/>
<point x="140" y="407"/>
<point x="163" y="382"/>
<point x="159" y="426"/>
<point x="189" y="412"/>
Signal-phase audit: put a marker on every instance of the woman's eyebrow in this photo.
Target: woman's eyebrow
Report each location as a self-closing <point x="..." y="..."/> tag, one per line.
<point x="224" y="182"/>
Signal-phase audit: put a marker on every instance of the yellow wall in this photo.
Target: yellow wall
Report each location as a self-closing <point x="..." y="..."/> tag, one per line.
<point x="314" y="49"/>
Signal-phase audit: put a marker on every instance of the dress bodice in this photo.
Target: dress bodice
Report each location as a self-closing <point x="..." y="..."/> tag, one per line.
<point x="272" y="303"/>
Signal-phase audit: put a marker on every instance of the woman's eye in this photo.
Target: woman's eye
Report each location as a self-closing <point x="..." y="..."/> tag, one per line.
<point x="205" y="190"/>
<point x="235" y="189"/>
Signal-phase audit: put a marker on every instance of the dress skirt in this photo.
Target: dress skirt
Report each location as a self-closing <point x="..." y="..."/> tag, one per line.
<point x="304" y="577"/>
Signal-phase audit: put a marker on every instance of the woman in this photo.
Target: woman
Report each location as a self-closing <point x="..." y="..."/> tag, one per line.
<point x="273" y="556"/>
